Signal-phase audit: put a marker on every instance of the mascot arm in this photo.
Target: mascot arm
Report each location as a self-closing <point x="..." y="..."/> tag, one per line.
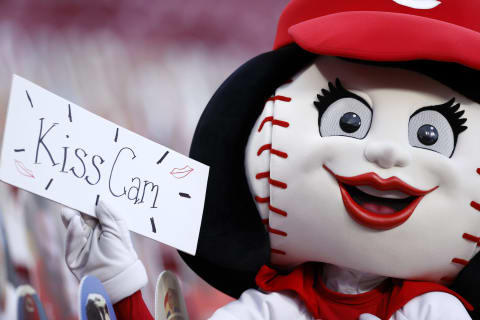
<point x="255" y="305"/>
<point x="132" y="307"/>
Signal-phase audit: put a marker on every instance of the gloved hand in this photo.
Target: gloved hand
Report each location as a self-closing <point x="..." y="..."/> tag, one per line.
<point x="103" y="248"/>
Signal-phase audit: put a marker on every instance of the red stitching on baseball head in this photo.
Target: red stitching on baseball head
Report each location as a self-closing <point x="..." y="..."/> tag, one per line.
<point x="277" y="232"/>
<point x="460" y="261"/>
<point x="276" y="251"/>
<point x="281" y="98"/>
<point x="264" y="121"/>
<point x="475" y="205"/>
<point x="263" y="148"/>
<point x="262" y="200"/>
<point x="277" y="211"/>
<point x="276" y="152"/>
<point x="273" y="182"/>
<point x="277" y="183"/>
<point x="262" y="175"/>
<point x="275" y="122"/>
<point x="471" y="237"/>
<point x="279" y="153"/>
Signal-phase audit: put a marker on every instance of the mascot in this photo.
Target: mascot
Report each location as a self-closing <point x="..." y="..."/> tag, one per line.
<point x="344" y="180"/>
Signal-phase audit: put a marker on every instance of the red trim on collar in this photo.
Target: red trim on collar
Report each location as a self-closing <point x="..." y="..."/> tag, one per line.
<point x="323" y="303"/>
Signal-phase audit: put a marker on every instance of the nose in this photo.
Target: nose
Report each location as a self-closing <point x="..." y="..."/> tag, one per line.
<point x="387" y="154"/>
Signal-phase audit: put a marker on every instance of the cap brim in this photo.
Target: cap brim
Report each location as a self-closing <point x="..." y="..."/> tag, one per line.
<point x="387" y="36"/>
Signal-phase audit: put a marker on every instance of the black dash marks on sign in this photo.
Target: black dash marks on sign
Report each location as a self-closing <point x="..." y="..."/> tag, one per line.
<point x="29" y="99"/>
<point x="154" y="230"/>
<point x="116" y="135"/>
<point x="96" y="201"/>
<point x="184" y="195"/>
<point x="49" y="183"/>
<point x="163" y="157"/>
<point x="69" y="113"/>
<point x="19" y="150"/>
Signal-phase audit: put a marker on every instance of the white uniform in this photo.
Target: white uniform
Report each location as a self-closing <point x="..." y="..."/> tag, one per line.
<point x="256" y="305"/>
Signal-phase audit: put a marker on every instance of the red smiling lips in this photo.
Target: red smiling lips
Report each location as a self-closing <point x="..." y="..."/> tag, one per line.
<point x="369" y="201"/>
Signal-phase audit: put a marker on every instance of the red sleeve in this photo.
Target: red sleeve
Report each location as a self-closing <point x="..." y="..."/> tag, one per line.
<point x="132" y="308"/>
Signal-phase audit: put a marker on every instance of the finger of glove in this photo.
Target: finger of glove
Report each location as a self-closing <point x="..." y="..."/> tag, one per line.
<point x="368" y="316"/>
<point x="76" y="249"/>
<point x="108" y="219"/>
<point x="67" y="214"/>
<point x="116" y="224"/>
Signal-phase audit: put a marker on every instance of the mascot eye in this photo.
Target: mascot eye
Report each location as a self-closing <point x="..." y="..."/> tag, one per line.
<point x="436" y="128"/>
<point x="342" y="113"/>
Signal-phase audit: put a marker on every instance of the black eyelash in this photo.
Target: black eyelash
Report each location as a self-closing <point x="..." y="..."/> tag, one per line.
<point x="450" y="111"/>
<point x="335" y="92"/>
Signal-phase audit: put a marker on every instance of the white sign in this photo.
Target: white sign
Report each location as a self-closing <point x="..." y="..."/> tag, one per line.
<point x="65" y="153"/>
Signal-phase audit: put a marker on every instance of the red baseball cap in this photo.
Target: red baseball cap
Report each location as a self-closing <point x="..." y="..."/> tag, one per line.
<point x="385" y="30"/>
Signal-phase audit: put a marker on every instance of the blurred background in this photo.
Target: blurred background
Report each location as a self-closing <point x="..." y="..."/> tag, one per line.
<point x="149" y="66"/>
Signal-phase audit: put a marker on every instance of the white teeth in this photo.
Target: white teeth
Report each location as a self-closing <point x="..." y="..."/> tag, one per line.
<point x="390" y="194"/>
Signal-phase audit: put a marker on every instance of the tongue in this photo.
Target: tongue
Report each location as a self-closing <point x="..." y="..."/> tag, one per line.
<point x="378" y="208"/>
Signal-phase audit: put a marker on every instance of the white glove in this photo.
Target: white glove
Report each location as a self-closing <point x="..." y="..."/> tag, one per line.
<point x="103" y="248"/>
<point x="368" y="316"/>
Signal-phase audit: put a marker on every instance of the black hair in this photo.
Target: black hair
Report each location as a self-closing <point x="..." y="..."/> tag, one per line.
<point x="233" y="243"/>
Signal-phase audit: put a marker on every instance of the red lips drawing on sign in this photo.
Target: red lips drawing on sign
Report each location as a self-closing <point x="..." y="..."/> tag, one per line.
<point x="181" y="173"/>
<point x="23" y="170"/>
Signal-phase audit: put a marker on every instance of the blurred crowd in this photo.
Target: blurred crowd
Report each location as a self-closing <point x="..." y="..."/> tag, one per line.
<point x="149" y="66"/>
